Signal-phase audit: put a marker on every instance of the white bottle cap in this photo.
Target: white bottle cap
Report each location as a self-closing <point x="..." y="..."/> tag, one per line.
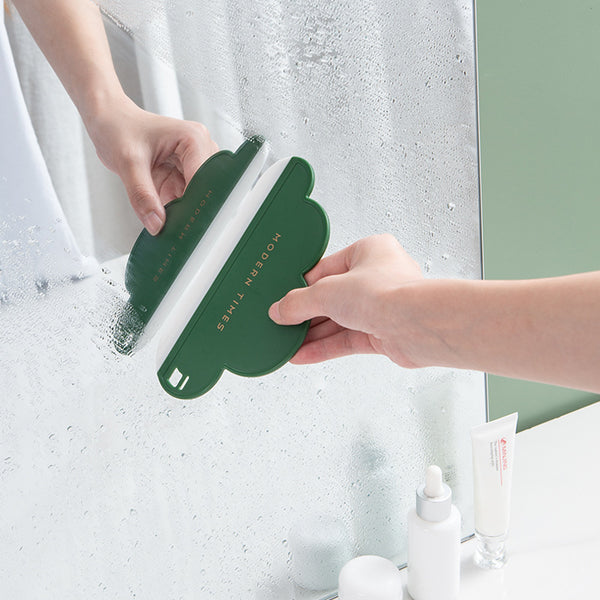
<point x="370" y="578"/>
<point x="434" y="497"/>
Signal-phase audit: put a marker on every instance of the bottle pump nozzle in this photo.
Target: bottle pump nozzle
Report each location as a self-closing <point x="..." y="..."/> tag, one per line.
<point x="434" y="497"/>
<point x="434" y="485"/>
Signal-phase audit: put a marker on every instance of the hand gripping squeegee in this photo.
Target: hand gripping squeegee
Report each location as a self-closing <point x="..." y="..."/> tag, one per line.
<point x="230" y="247"/>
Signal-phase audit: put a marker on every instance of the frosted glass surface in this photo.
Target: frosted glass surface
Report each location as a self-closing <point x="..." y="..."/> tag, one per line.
<point x="110" y="488"/>
<point x="379" y="96"/>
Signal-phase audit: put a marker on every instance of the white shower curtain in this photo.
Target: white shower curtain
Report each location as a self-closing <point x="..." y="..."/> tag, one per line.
<point x="36" y="243"/>
<point x="92" y="198"/>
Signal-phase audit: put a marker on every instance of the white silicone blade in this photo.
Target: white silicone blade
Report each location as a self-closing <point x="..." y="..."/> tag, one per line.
<point x="209" y="257"/>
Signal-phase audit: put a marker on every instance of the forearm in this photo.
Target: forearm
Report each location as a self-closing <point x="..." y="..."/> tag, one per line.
<point x="544" y="330"/>
<point x="71" y="35"/>
<point x="154" y="156"/>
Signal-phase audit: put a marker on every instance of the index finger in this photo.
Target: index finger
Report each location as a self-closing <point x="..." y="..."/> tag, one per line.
<point x="335" y="264"/>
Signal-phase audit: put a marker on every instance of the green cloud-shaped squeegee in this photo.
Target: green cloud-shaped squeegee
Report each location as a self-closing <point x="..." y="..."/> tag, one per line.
<point x="229" y="249"/>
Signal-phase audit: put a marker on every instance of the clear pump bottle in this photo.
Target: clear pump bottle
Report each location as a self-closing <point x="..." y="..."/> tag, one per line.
<point x="433" y="542"/>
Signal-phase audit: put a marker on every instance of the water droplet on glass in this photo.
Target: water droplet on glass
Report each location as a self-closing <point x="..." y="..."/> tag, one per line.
<point x="42" y="286"/>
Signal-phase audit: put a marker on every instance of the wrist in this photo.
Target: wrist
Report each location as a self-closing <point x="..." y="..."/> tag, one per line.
<point x="428" y="318"/>
<point x="110" y="124"/>
<point x="100" y="106"/>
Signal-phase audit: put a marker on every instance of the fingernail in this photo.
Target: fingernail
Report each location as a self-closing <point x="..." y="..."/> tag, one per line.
<point x="153" y="223"/>
<point x="274" y="312"/>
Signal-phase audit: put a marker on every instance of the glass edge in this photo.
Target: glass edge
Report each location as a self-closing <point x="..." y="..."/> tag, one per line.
<point x="479" y="182"/>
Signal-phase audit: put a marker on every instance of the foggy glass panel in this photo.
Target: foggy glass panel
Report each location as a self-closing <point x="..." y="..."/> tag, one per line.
<point x="263" y="487"/>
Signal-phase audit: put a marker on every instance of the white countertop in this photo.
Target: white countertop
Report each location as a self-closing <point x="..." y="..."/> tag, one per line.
<point x="554" y="540"/>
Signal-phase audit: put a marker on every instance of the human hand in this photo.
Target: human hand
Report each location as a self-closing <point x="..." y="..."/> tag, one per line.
<point x="350" y="301"/>
<point x="154" y="156"/>
<point x="372" y="298"/>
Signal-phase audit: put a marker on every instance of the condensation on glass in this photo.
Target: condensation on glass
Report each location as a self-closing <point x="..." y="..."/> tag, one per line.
<point x="109" y="487"/>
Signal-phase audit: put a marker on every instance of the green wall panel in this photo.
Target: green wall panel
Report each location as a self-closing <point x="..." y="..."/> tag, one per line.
<point x="539" y="99"/>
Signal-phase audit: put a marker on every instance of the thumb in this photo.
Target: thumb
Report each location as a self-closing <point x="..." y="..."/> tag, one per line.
<point x="296" y="306"/>
<point x="144" y="199"/>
